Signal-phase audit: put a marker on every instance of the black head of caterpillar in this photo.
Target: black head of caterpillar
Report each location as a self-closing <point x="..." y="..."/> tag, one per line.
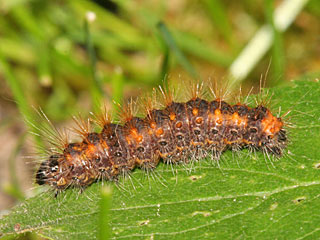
<point x="177" y="133"/>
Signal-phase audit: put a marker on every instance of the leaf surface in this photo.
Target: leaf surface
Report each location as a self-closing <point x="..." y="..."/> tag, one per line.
<point x="246" y="195"/>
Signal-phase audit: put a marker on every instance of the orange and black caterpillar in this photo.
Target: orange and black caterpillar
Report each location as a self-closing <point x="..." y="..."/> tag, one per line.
<point x="179" y="132"/>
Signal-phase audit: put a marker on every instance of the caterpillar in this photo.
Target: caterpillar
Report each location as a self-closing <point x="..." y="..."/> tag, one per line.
<point x="176" y="133"/>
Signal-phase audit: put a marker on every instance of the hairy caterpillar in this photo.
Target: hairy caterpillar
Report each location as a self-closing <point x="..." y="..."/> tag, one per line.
<point x="176" y="133"/>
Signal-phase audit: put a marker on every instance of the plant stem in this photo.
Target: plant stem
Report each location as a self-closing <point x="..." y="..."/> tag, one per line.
<point x="104" y="217"/>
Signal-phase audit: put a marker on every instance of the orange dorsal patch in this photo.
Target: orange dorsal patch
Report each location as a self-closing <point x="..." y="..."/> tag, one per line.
<point x="218" y="116"/>
<point x="159" y="132"/>
<point x="172" y="116"/>
<point x="271" y="124"/>
<point x="195" y="111"/>
<point x="91" y="149"/>
<point x="134" y="135"/>
<point x="236" y="119"/>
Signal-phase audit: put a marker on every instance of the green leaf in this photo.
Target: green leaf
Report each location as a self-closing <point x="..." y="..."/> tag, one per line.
<point x="247" y="195"/>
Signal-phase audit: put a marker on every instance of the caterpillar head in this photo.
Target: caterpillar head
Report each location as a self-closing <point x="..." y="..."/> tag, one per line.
<point x="71" y="168"/>
<point x="48" y="170"/>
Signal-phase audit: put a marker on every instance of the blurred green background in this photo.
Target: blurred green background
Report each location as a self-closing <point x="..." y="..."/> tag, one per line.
<point x="66" y="56"/>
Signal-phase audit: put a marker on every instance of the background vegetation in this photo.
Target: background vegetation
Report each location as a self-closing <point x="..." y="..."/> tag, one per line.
<point x="65" y="56"/>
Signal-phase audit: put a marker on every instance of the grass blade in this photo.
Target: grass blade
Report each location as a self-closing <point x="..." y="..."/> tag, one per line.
<point x="20" y="99"/>
<point x="284" y="15"/>
<point x="171" y="43"/>
<point x="219" y="17"/>
<point x="95" y="86"/>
